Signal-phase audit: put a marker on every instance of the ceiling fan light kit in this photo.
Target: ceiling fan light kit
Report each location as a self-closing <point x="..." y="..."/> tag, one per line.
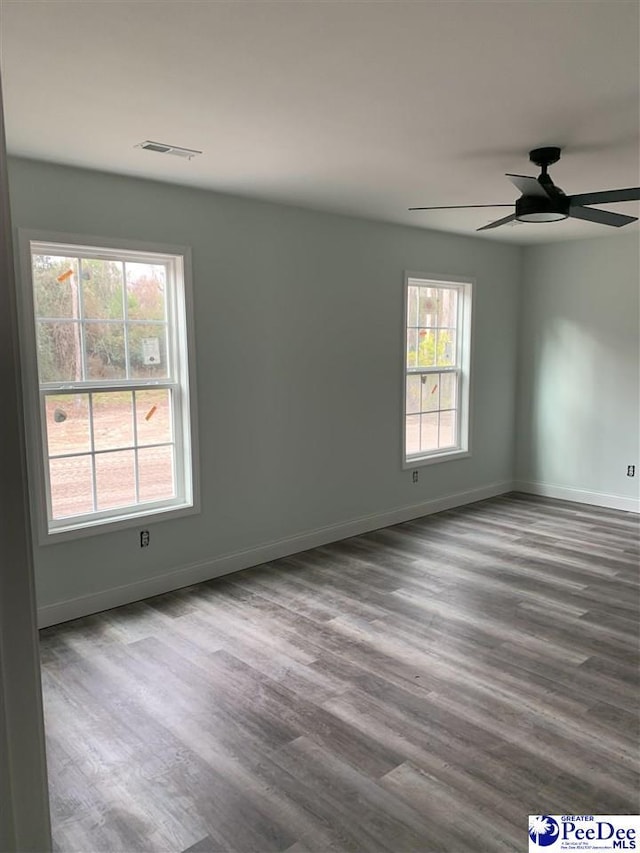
<point x="543" y="201"/>
<point x="535" y="209"/>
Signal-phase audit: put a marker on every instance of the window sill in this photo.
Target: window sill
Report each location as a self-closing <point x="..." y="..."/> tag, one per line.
<point x="446" y="456"/>
<point x="104" y="526"/>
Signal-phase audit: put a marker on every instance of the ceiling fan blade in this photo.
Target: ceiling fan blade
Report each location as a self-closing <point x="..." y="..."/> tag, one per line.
<point x="498" y="222"/>
<point x="460" y="206"/>
<point x="606" y="197"/>
<point x="603" y="217"/>
<point x="528" y="185"/>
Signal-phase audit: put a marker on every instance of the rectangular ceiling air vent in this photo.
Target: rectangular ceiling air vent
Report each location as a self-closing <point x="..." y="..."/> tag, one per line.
<point x="162" y="148"/>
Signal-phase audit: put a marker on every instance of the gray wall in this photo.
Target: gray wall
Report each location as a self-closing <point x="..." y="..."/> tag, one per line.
<point x="578" y="425"/>
<point x="299" y="356"/>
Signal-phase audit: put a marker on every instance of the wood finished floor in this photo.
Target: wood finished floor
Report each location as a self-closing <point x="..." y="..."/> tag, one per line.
<point x="421" y="688"/>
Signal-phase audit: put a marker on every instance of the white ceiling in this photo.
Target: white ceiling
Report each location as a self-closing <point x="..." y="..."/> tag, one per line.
<point x="364" y="108"/>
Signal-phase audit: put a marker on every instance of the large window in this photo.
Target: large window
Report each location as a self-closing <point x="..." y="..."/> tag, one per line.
<point x="437" y="359"/>
<point x="110" y="333"/>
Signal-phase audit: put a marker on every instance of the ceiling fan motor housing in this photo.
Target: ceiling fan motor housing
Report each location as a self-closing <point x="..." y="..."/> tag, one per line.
<point x="530" y="208"/>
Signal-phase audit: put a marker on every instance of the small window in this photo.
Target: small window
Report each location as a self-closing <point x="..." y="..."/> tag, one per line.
<point x="437" y="359"/>
<point x="114" y="403"/>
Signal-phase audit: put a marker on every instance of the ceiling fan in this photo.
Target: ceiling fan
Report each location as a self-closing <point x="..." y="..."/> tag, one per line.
<point x="543" y="201"/>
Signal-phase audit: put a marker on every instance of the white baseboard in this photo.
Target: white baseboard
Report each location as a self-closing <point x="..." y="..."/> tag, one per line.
<point x="53" y="614"/>
<point x="581" y="496"/>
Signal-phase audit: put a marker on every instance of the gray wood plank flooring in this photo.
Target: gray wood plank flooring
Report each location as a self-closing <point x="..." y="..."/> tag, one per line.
<point x="423" y="688"/>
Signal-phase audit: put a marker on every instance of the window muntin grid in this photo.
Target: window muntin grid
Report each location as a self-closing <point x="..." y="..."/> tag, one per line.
<point x="141" y="353"/>
<point x="91" y="435"/>
<point x="435" y="383"/>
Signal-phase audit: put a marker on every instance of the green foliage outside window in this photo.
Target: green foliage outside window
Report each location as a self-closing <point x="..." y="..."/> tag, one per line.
<point x="432" y="349"/>
<point x="92" y="291"/>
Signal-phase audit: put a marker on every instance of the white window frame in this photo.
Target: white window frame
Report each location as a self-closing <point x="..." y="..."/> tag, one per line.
<point x="182" y="381"/>
<point x="464" y="286"/>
